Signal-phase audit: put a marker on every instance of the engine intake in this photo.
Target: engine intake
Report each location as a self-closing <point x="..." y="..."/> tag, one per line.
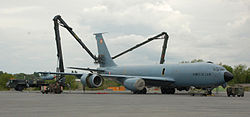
<point x="47" y="76"/>
<point x="91" y="80"/>
<point x="134" y="84"/>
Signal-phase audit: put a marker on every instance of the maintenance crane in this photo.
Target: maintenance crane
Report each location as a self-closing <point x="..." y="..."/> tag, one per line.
<point x="58" y="21"/>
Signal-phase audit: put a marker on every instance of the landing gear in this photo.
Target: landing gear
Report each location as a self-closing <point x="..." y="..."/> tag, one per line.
<point x="19" y="88"/>
<point x="167" y="90"/>
<point x="183" y="88"/>
<point x="209" y="91"/>
<point x="143" y="91"/>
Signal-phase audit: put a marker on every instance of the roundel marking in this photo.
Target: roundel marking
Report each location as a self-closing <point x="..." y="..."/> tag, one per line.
<point x="101" y="41"/>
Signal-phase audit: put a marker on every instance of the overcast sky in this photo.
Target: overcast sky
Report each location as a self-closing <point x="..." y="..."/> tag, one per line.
<point x="212" y="30"/>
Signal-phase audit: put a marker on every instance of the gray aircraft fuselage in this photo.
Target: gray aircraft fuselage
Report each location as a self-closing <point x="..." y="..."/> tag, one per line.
<point x="202" y="75"/>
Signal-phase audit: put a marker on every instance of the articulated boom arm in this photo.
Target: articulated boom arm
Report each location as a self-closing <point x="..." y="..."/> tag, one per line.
<point x="58" y="20"/>
<point x="164" y="47"/>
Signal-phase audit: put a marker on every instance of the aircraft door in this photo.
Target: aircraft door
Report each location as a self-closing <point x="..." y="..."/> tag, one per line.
<point x="163" y="72"/>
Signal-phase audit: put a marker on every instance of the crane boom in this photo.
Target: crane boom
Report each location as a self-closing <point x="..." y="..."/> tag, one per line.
<point x="164" y="47"/>
<point x="58" y="45"/>
<point x="57" y="19"/>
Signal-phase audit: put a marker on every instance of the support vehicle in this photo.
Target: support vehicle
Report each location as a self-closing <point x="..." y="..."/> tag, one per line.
<point x="235" y="91"/>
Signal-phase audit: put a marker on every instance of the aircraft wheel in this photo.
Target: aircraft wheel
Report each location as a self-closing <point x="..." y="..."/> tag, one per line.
<point x="203" y="94"/>
<point x="209" y="92"/>
<point x="135" y="92"/>
<point x="143" y="91"/>
<point x="172" y="90"/>
<point x="19" y="88"/>
<point x="163" y="90"/>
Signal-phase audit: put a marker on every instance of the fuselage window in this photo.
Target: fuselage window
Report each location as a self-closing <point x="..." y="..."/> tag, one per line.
<point x="163" y="71"/>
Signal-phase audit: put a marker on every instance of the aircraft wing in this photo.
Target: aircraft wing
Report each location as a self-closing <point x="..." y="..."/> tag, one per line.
<point x="76" y="74"/>
<point x="146" y="78"/>
<point x="86" y="69"/>
<point x="166" y="79"/>
<point x="60" y="73"/>
<point x="151" y="78"/>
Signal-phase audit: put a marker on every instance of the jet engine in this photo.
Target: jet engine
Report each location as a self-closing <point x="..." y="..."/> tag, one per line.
<point x="47" y="76"/>
<point x="134" y="84"/>
<point x="91" y="80"/>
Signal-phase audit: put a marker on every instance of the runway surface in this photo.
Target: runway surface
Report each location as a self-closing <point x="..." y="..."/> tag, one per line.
<point x="120" y="104"/>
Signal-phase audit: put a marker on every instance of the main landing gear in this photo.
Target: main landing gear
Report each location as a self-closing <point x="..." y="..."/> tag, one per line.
<point x="164" y="90"/>
<point x="167" y="90"/>
<point x="143" y="91"/>
<point x="209" y="91"/>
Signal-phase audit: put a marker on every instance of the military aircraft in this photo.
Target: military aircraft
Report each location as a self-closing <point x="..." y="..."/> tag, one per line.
<point x="137" y="77"/>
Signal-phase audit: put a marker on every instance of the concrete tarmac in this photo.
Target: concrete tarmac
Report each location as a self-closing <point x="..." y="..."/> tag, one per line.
<point x="121" y="104"/>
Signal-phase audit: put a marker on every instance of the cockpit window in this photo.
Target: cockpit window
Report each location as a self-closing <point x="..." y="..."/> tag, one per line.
<point x="218" y="69"/>
<point x="222" y="69"/>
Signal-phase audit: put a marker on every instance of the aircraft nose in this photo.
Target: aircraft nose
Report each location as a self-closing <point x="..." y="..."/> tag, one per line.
<point x="228" y="76"/>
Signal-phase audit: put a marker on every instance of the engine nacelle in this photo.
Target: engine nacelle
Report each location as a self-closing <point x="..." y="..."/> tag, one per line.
<point x="134" y="84"/>
<point x="91" y="80"/>
<point x="47" y="76"/>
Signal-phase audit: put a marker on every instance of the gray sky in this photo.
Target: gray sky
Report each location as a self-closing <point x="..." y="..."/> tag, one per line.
<point x="214" y="30"/>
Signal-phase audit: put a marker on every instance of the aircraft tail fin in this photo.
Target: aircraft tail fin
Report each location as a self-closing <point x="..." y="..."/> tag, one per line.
<point x="103" y="53"/>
